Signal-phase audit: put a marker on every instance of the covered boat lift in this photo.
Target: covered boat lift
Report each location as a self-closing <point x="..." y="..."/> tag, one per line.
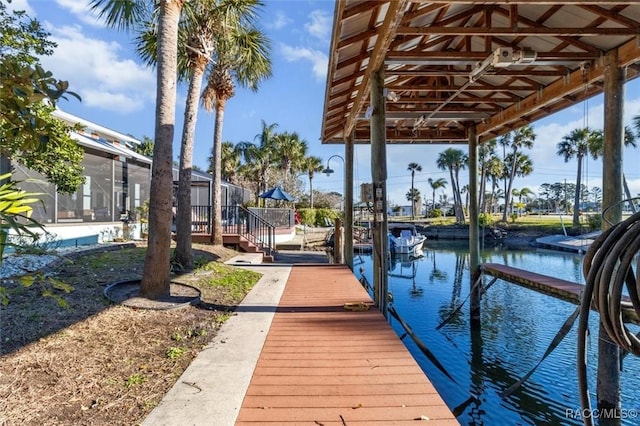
<point x="465" y="72"/>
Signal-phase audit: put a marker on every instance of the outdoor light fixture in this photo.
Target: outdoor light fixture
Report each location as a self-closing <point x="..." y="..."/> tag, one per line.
<point x="328" y="171"/>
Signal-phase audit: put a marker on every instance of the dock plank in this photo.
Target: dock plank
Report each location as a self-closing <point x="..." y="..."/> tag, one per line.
<point x="322" y="363"/>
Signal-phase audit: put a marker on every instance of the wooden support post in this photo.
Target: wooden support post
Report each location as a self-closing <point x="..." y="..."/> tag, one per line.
<point x="474" y="231"/>
<point x="379" y="177"/>
<point x="337" y="241"/>
<point x="348" y="202"/>
<point x="608" y="388"/>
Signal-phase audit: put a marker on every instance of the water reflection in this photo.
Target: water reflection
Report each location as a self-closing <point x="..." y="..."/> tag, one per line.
<point x="517" y="326"/>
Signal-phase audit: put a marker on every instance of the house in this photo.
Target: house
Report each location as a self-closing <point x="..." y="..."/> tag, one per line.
<point x="117" y="182"/>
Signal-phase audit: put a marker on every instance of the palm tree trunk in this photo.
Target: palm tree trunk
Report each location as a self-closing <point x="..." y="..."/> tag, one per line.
<point x="433" y="200"/>
<point x="507" y="195"/>
<point x="155" y="281"/>
<point x="576" y="198"/>
<point x="216" y="201"/>
<point x="184" y="255"/>
<point x="311" y="192"/>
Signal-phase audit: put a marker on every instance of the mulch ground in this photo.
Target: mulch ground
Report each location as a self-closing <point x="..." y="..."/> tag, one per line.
<point x="95" y="362"/>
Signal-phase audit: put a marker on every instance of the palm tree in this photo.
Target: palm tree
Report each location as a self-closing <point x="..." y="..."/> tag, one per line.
<point x="291" y="150"/>
<point x="241" y="55"/>
<point x="435" y="185"/>
<point x="597" y="147"/>
<point x="494" y="171"/>
<point x="516" y="141"/>
<point x="258" y="158"/>
<point x="413" y="196"/>
<point x="413" y="168"/>
<point x="523" y="166"/>
<point x="486" y="151"/>
<point x="311" y="165"/>
<point x="196" y="35"/>
<point x="230" y="162"/>
<point x="454" y="160"/>
<point x="578" y="143"/>
<point x="126" y="15"/>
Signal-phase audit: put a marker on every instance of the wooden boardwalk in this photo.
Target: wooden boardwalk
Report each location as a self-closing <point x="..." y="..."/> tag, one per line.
<point x="324" y="365"/>
<point x="566" y="290"/>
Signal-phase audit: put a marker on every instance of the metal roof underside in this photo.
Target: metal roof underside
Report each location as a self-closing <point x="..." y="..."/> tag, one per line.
<point x="441" y="74"/>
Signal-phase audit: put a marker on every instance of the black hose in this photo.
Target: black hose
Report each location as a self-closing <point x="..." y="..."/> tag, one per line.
<point x="607" y="266"/>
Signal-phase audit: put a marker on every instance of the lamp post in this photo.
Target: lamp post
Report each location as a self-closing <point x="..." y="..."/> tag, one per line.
<point x="338" y="242"/>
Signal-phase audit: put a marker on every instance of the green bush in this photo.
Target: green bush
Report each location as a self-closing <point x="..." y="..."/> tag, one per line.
<point x="485" y="219"/>
<point x="435" y="213"/>
<point x="594" y="221"/>
<point x="322" y="214"/>
<point x="307" y="216"/>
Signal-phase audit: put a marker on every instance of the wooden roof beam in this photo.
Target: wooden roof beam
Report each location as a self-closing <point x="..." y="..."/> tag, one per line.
<point x="386" y="33"/>
<point x="628" y="53"/>
<point x="520" y="31"/>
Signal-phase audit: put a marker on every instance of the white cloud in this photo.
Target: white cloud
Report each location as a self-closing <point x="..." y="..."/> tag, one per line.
<point x="281" y="20"/>
<point x="81" y="10"/>
<point x="111" y="101"/>
<point x="320" y="24"/>
<point x="21" y="5"/>
<point x="319" y="60"/>
<point x="98" y="72"/>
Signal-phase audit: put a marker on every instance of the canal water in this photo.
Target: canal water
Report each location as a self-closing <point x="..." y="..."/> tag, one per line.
<point x="518" y="325"/>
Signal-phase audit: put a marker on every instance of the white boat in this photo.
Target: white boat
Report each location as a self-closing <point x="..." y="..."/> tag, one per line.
<point x="404" y="239"/>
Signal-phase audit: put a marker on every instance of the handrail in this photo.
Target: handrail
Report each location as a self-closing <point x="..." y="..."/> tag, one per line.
<point x="238" y="220"/>
<point x="257" y="230"/>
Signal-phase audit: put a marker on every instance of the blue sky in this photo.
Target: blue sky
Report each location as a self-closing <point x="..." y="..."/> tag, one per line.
<point x="119" y="92"/>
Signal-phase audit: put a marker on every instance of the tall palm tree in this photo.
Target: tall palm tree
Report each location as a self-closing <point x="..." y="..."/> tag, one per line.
<point x="494" y="172"/>
<point x="241" y="55"/>
<point x="201" y="21"/>
<point x="516" y="141"/>
<point x="578" y="143"/>
<point x="311" y="165"/>
<point x="413" y="168"/>
<point x="435" y="185"/>
<point x="126" y="15"/>
<point x="454" y="160"/>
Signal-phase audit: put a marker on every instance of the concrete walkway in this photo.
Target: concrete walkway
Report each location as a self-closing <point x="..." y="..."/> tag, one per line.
<point x="212" y="388"/>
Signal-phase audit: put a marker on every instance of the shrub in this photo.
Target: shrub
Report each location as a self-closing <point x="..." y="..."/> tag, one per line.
<point x="435" y="213"/>
<point x="323" y="214"/>
<point x="594" y="221"/>
<point x="485" y="219"/>
<point x="307" y="216"/>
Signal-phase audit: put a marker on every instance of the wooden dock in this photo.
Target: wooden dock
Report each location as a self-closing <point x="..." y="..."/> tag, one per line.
<point x="323" y="364"/>
<point x="562" y="289"/>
